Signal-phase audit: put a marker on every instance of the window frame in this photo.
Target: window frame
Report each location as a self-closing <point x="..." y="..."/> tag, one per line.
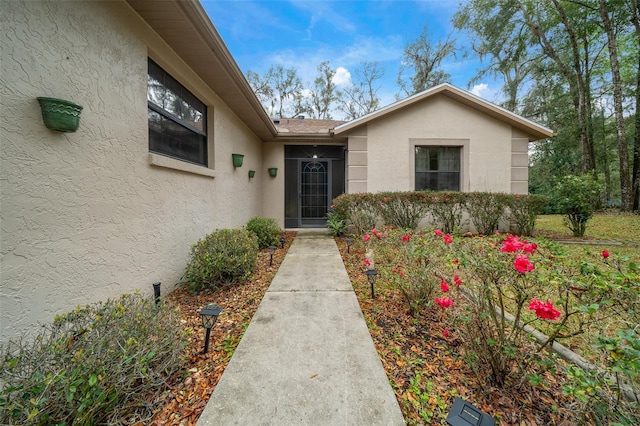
<point x="462" y="144"/>
<point x="203" y="109"/>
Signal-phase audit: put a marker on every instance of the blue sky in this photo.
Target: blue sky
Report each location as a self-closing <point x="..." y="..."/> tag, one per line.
<point x="302" y="34"/>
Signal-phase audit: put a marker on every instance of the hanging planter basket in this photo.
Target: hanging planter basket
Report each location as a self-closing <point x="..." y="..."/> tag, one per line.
<point x="273" y="171"/>
<point x="252" y="174"/>
<point x="237" y="159"/>
<point x="60" y="115"/>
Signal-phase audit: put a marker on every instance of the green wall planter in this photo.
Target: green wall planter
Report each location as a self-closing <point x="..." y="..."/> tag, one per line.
<point x="237" y="160"/>
<point x="60" y="115"/>
<point x="252" y="174"/>
<point x="273" y="171"/>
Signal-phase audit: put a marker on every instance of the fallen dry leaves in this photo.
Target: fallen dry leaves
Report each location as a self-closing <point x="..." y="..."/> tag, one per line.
<point x="427" y="372"/>
<point x="424" y="368"/>
<point x="192" y="387"/>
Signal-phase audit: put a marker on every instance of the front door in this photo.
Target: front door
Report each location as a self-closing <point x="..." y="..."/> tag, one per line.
<point x="313" y="176"/>
<point x="314" y="192"/>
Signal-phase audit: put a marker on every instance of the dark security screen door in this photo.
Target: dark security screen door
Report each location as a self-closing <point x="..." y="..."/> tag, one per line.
<point x="314" y="192"/>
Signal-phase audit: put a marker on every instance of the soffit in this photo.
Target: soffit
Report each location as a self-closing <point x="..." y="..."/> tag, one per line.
<point x="186" y="28"/>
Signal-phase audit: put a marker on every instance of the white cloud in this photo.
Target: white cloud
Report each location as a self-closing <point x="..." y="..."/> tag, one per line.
<point x="342" y="77"/>
<point x="481" y="90"/>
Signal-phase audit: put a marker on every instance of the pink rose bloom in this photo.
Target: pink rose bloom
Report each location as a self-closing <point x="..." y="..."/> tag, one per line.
<point x="457" y="281"/>
<point x="522" y="264"/>
<point x="445" y="333"/>
<point x="366" y="237"/>
<point x="437" y="232"/>
<point x="544" y="310"/>
<point x="605" y="254"/>
<point x="444" y="286"/>
<point x="445" y="302"/>
<point x="448" y="239"/>
<point x="406" y="237"/>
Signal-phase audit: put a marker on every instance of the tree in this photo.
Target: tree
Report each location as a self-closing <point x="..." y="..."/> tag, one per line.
<point x="361" y="98"/>
<point x="280" y="91"/>
<point x="325" y="92"/>
<point x="424" y="61"/>
<point x="502" y="40"/>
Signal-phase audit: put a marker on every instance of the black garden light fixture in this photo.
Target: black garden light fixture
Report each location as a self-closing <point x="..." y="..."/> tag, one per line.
<point x="272" y="249"/>
<point x="372" y="275"/>
<point x="282" y="242"/>
<point x="156" y="292"/>
<point x="464" y="414"/>
<point x="349" y="242"/>
<point x="209" y="317"/>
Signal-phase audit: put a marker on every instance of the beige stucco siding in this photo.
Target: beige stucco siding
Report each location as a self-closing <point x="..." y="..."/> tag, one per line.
<point x="391" y="140"/>
<point x="84" y="216"/>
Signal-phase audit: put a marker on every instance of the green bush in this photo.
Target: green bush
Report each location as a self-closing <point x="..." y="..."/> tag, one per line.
<point x="485" y="210"/>
<point x="446" y="209"/>
<point x="223" y="257"/>
<point x="99" y="364"/>
<point x="576" y="197"/>
<point x="266" y="229"/>
<point x="525" y="210"/>
<point x="336" y="223"/>
<point x="402" y="210"/>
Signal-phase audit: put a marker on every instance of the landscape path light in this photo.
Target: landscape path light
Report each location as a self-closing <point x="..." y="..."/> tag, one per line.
<point x="372" y="274"/>
<point x="464" y="414"/>
<point x="282" y="242"/>
<point x="156" y="292"/>
<point x="209" y="317"/>
<point x="349" y="242"/>
<point x="272" y="249"/>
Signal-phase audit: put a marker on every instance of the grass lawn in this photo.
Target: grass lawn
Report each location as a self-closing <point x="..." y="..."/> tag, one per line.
<point x="618" y="233"/>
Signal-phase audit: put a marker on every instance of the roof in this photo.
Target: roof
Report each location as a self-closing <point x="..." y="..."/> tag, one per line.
<point x="186" y="28"/>
<point x="306" y="125"/>
<point x="537" y="131"/>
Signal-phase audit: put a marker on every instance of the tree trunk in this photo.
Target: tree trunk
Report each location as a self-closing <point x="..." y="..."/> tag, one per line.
<point x="623" y="153"/>
<point x="635" y="18"/>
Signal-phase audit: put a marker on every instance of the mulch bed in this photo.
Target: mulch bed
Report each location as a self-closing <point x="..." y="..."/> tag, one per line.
<point x="427" y="372"/>
<point x="192" y="387"/>
<point x="425" y="369"/>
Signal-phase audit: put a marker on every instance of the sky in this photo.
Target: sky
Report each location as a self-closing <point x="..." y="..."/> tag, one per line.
<point x="302" y="34"/>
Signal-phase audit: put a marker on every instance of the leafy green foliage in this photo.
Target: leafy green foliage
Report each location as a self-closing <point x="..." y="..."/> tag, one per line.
<point x="223" y="257"/>
<point x="336" y="222"/>
<point x="401" y="210"/>
<point x="577" y="197"/>
<point x="98" y="364"/>
<point x="446" y="210"/>
<point x="525" y="209"/>
<point x="265" y="229"/>
<point x="485" y="210"/>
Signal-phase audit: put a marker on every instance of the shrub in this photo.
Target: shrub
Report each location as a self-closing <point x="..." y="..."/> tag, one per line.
<point x="485" y="210"/>
<point x="402" y="210"/>
<point x="525" y="210"/>
<point x="99" y="364"/>
<point x="265" y="229"/>
<point x="576" y="197"/>
<point x="446" y="209"/>
<point x="336" y="223"/>
<point x="225" y="256"/>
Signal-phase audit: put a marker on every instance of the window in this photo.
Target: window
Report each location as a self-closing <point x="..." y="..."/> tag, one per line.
<point x="177" y="119"/>
<point x="438" y="168"/>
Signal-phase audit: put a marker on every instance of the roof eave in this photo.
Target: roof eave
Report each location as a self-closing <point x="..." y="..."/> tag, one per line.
<point x="176" y="20"/>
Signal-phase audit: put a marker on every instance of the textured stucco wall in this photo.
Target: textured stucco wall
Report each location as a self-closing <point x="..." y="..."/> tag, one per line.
<point x="84" y="216"/>
<point x="390" y="141"/>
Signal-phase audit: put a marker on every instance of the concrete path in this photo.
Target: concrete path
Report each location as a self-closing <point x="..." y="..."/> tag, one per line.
<point x="307" y="357"/>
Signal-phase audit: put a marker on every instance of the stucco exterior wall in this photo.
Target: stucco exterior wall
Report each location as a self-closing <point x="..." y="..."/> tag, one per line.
<point x="85" y="216"/>
<point x="390" y="142"/>
<point x="273" y="156"/>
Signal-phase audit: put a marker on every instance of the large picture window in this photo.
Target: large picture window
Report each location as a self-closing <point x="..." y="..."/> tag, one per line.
<point x="437" y="168"/>
<point x="177" y="119"/>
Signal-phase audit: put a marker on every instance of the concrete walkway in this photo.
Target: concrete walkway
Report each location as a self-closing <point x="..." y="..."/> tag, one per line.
<point x="307" y="357"/>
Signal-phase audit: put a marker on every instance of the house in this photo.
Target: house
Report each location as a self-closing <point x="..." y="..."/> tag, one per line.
<point x="115" y="206"/>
